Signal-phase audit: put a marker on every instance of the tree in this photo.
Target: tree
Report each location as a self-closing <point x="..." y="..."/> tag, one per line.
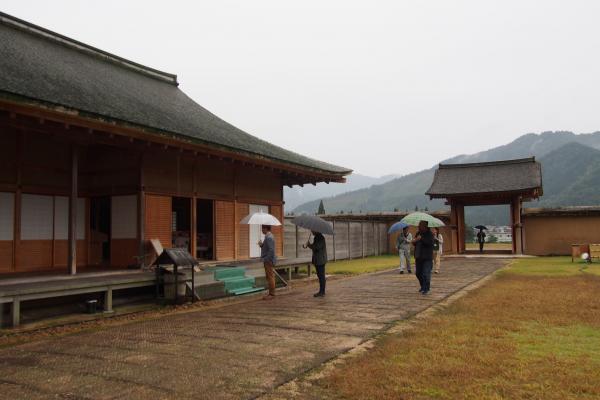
<point x="492" y="239"/>
<point x="321" y="209"/>
<point x="416" y="208"/>
<point x="426" y="208"/>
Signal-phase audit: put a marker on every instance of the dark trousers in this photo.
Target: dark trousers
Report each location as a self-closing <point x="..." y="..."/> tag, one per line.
<point x="481" y="247"/>
<point x="321" y="276"/>
<point x="423" y="273"/>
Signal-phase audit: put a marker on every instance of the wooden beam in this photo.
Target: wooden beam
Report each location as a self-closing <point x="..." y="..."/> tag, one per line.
<point x="65" y="117"/>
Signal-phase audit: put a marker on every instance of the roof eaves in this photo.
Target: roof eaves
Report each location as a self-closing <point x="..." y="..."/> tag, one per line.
<point x="490" y="193"/>
<point x="335" y="174"/>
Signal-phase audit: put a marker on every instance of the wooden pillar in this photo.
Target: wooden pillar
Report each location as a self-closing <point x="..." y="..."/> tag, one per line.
<point x="53" y="231"/>
<point x="194" y="227"/>
<point x="236" y="218"/>
<point x="296" y="241"/>
<point x="108" y="300"/>
<point x="16" y="312"/>
<point x="72" y="259"/>
<point x="460" y="209"/>
<point x="454" y="226"/>
<point x="17" y="208"/>
<point x="515" y="212"/>
<point x="457" y="220"/>
<point x="141" y="209"/>
<point x="17" y="229"/>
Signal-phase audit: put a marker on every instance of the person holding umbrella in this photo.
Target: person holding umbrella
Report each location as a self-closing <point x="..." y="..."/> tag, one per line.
<point x="423" y="243"/>
<point x="403" y="247"/>
<point x="438" y="248"/>
<point x="481" y="237"/>
<point x="319" y="259"/>
<point x="267" y="246"/>
<point x="317" y="226"/>
<point x="267" y="256"/>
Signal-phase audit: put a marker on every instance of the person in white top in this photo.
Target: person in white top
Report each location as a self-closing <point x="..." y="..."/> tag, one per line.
<point x="403" y="247"/>
<point x="438" y="248"/>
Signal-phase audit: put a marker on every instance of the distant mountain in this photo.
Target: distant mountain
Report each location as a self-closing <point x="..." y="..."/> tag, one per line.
<point x="555" y="150"/>
<point x="571" y="177"/>
<point x="529" y="145"/>
<point x="297" y="195"/>
<point x="403" y="193"/>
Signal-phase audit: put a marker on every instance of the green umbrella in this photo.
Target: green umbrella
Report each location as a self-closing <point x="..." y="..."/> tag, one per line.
<point x="416" y="217"/>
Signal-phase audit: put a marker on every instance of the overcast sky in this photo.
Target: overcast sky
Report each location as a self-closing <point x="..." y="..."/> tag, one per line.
<point x="380" y="87"/>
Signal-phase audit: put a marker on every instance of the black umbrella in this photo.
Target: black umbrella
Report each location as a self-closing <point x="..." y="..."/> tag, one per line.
<point x="314" y="224"/>
<point x="480" y="227"/>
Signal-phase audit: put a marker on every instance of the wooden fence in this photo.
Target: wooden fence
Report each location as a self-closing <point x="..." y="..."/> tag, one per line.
<point x="352" y="239"/>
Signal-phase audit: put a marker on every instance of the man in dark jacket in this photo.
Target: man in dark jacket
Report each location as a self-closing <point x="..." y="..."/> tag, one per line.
<point x="267" y="256"/>
<point x="319" y="259"/>
<point x="423" y="243"/>
<point x="481" y="239"/>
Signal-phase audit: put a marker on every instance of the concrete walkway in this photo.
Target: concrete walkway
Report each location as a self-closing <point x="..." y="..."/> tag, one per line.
<point x="237" y="351"/>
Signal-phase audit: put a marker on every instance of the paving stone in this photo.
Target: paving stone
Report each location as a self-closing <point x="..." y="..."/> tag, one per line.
<point x="236" y="351"/>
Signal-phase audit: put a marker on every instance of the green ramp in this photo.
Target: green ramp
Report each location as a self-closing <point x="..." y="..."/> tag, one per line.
<point x="235" y="280"/>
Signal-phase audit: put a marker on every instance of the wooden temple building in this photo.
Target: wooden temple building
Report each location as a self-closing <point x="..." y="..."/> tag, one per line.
<point x="487" y="183"/>
<point x="99" y="154"/>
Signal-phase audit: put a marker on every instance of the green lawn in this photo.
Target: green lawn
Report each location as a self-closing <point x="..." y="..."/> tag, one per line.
<point x="363" y="265"/>
<point x="552" y="267"/>
<point x="531" y="333"/>
<point x="360" y="265"/>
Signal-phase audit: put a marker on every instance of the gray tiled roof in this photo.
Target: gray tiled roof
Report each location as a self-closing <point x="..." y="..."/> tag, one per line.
<point x="486" y="178"/>
<point x="42" y="66"/>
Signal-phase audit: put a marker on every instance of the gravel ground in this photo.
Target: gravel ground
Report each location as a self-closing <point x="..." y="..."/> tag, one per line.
<point x="230" y="351"/>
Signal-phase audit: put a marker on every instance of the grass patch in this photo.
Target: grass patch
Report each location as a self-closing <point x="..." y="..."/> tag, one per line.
<point x="359" y="265"/>
<point x="552" y="267"/>
<point x="362" y="265"/>
<point x="532" y="333"/>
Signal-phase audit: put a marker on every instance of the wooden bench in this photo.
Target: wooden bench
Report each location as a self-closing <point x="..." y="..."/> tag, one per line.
<point x="293" y="263"/>
<point x="16" y="293"/>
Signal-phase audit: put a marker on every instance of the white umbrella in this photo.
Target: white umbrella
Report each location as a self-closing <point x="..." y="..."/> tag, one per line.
<point x="260" y="218"/>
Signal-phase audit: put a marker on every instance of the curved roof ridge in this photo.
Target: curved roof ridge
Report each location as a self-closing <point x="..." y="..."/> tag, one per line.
<point x="86" y="48"/>
<point x="489" y="163"/>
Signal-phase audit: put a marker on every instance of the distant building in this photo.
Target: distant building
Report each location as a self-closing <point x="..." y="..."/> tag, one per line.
<point x="503" y="233"/>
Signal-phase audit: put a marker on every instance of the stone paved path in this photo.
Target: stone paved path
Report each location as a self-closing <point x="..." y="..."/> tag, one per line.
<point x="237" y="351"/>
